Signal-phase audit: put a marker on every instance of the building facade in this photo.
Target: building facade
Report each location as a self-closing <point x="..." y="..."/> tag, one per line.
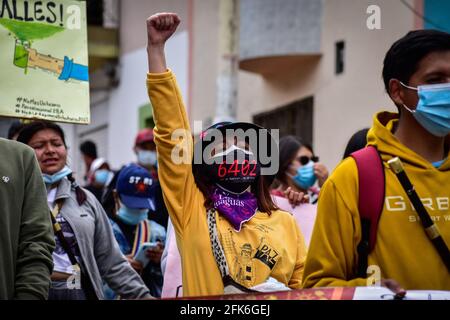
<point x="308" y="67"/>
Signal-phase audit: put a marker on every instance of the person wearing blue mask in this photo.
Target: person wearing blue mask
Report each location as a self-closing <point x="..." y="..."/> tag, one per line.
<point x="86" y="252"/>
<point x="299" y="172"/>
<point x="416" y="75"/>
<point x="101" y="176"/>
<point x="134" y="198"/>
<point x="146" y="157"/>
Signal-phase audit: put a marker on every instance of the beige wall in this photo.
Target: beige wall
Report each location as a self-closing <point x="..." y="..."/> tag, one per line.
<point x="134" y="13"/>
<point x="342" y="104"/>
<point x="201" y="97"/>
<point x="346" y="103"/>
<point x="205" y="62"/>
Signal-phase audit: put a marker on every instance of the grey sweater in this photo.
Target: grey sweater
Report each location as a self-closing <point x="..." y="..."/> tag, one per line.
<point x="100" y="253"/>
<point x="26" y="234"/>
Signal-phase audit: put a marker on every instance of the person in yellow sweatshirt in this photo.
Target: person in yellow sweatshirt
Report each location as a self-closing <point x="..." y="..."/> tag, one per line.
<point x="230" y="235"/>
<point x="416" y="75"/>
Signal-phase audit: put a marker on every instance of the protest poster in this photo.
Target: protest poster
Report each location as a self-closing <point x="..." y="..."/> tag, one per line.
<point x="44" y="60"/>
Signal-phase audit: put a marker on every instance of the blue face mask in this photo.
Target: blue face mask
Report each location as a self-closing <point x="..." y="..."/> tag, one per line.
<point x="102" y="176"/>
<point x="305" y="177"/>
<point x="146" y="158"/>
<point x="132" y="216"/>
<point x="56" y="177"/>
<point x="433" y="109"/>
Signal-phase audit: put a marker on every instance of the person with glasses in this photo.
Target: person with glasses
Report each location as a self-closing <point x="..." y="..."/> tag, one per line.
<point x="299" y="171"/>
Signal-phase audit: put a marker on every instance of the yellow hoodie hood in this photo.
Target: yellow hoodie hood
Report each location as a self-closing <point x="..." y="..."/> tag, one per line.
<point x="381" y="136"/>
<point x="402" y="250"/>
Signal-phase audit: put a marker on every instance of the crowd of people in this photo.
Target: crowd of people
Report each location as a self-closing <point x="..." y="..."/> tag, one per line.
<point x="216" y="219"/>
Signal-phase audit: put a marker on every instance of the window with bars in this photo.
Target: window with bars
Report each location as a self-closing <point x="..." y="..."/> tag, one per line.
<point x="293" y="119"/>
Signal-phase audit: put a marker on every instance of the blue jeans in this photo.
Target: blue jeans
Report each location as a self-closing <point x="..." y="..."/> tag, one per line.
<point x="60" y="291"/>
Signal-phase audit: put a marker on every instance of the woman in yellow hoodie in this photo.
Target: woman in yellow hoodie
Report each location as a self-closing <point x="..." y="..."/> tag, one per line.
<point x="228" y="231"/>
<point x="403" y="253"/>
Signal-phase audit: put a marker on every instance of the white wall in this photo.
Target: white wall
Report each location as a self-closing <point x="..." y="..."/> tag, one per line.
<point x="205" y="61"/>
<point x="125" y="100"/>
<point x="97" y="131"/>
<point x="71" y="141"/>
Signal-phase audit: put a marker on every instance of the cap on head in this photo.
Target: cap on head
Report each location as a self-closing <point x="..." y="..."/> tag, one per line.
<point x="207" y="136"/>
<point x="97" y="163"/>
<point x="134" y="187"/>
<point x="145" y="135"/>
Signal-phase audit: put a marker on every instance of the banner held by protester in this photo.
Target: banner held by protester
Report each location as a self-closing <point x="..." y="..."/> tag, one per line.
<point x="44" y="59"/>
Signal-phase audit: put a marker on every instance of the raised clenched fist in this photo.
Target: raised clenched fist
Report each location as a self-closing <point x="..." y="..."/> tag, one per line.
<point x="160" y="27"/>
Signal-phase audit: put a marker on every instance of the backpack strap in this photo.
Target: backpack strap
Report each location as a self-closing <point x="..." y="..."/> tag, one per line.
<point x="371" y="180"/>
<point x="86" y="282"/>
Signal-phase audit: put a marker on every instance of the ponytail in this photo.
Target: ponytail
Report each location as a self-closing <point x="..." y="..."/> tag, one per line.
<point x="80" y="194"/>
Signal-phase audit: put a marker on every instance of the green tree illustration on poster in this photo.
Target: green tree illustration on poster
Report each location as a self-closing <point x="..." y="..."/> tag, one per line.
<point x="47" y="42"/>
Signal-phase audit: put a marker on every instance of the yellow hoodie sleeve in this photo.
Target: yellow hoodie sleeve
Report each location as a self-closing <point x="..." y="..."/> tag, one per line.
<point x="296" y="279"/>
<point x="332" y="257"/>
<point x="173" y="141"/>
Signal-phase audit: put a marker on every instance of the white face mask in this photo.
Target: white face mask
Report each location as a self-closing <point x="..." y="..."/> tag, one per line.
<point x="231" y="149"/>
<point x="146" y="158"/>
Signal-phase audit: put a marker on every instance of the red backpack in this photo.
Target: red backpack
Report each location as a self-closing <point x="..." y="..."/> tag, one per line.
<point x="371" y="179"/>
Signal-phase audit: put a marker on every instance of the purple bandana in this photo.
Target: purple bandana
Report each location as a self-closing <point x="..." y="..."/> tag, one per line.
<point x="236" y="208"/>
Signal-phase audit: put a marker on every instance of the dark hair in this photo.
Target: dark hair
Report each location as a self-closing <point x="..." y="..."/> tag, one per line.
<point x="289" y="147"/>
<point x="308" y="146"/>
<point x="27" y="133"/>
<point x="29" y="130"/>
<point x="15" y="128"/>
<point x="403" y="58"/>
<point x="356" y="142"/>
<point x="89" y="148"/>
